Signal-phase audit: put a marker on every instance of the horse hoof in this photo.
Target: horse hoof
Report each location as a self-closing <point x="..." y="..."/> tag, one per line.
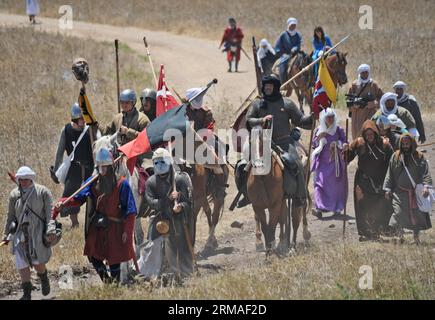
<point x="259" y="247"/>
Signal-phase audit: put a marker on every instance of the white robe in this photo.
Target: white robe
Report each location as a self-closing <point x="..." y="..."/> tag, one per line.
<point x="32" y="7"/>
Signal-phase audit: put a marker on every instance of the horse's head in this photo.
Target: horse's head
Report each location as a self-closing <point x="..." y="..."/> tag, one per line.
<point x="109" y="142"/>
<point x="337" y="65"/>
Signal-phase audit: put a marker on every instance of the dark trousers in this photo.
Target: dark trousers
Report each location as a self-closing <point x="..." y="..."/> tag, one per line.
<point x="77" y="174"/>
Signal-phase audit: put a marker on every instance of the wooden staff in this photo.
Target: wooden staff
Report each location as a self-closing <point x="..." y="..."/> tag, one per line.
<point x="67" y="200"/>
<point x="149" y="59"/>
<point x="345" y="175"/>
<point x="314" y="62"/>
<point x="117" y="73"/>
<point x="308" y="173"/>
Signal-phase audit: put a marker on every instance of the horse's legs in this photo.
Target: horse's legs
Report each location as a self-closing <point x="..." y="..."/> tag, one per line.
<point x="259" y="245"/>
<point x="260" y="214"/>
<point x="283" y="245"/>
<point x="296" y="220"/>
<point x="275" y="213"/>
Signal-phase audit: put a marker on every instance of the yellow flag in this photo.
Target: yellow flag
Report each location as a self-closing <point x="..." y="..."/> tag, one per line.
<point x="88" y="115"/>
<point x="326" y="80"/>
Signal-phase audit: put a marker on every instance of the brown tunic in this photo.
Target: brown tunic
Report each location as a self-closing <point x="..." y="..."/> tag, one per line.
<point x="359" y="115"/>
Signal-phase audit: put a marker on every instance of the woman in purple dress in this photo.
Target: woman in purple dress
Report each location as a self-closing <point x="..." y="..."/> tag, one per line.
<point x="330" y="181"/>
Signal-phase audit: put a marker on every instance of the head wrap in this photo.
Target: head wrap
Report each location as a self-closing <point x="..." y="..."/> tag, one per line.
<point x="324" y="128"/>
<point x="395" y="121"/>
<point x="25" y="173"/>
<point x="162" y="161"/>
<point x="364" y="68"/>
<point x="261" y="53"/>
<point x="291" y="21"/>
<point x="399" y="85"/>
<point x="276" y="94"/>
<point x="385" y="97"/>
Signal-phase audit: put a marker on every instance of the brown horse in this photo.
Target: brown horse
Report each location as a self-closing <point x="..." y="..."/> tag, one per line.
<point x="267" y="192"/>
<point x="304" y="84"/>
<point x="204" y="183"/>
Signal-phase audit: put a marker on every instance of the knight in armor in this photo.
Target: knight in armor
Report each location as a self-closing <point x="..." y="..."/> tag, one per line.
<point x="287" y="46"/>
<point x="148" y="99"/>
<point x="171" y="235"/>
<point x="203" y="120"/>
<point x="74" y="138"/>
<point x="130" y="122"/>
<point x="273" y="107"/>
<point x="110" y="222"/>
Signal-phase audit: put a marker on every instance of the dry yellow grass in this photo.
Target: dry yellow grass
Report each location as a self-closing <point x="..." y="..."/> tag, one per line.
<point x="37" y="92"/>
<point x="398" y="47"/>
<point x="323" y="272"/>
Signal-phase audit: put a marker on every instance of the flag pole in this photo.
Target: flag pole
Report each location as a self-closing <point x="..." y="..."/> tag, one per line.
<point x="117" y="74"/>
<point x="150" y="60"/>
<point x="308" y="67"/>
<point x="347" y="181"/>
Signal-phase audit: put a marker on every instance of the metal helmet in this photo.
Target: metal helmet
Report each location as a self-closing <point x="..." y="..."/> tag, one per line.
<point x="104" y="157"/>
<point x="128" y="95"/>
<point x="76" y="112"/>
<point x="149" y="93"/>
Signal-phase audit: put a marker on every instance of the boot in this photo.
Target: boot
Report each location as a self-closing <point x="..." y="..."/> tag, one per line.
<point x="45" y="283"/>
<point x="237" y="66"/>
<point x="229" y="66"/>
<point x="27" y="291"/>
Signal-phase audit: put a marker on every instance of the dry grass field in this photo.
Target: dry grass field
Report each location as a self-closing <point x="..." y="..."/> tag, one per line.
<point x="398" y="47"/>
<point x="37" y="89"/>
<point x="37" y="94"/>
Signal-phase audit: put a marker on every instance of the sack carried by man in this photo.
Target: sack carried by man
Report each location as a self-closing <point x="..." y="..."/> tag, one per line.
<point x="62" y="171"/>
<point x="424" y="203"/>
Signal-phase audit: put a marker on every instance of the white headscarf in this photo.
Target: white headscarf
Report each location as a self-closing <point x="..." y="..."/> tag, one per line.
<point x="261" y="52"/>
<point x="401" y="85"/>
<point x="324" y="128"/>
<point x="197" y="102"/>
<point x="395" y="121"/>
<point x="385" y="97"/>
<point x="364" y="68"/>
<point x="25" y="173"/>
<point x="291" y="21"/>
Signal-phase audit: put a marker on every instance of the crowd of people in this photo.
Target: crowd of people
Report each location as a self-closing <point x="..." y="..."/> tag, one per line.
<point x="385" y="130"/>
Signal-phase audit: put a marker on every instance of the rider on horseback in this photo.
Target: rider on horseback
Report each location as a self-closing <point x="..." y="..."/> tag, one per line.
<point x="130" y="122"/>
<point x="148" y="103"/>
<point x="274" y="107"/>
<point x="287" y="46"/>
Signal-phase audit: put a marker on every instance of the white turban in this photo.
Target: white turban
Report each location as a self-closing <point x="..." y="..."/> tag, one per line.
<point x="385" y="97"/>
<point x="363" y="68"/>
<point x="261" y="53"/>
<point x="25" y="173"/>
<point x="197" y="102"/>
<point x="395" y="121"/>
<point x="399" y="85"/>
<point x="291" y="21"/>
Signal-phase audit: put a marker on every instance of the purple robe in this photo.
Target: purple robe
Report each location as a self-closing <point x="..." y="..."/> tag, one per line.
<point x="330" y="192"/>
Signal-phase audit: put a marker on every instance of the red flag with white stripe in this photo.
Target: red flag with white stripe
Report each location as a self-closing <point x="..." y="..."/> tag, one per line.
<point x="165" y="100"/>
